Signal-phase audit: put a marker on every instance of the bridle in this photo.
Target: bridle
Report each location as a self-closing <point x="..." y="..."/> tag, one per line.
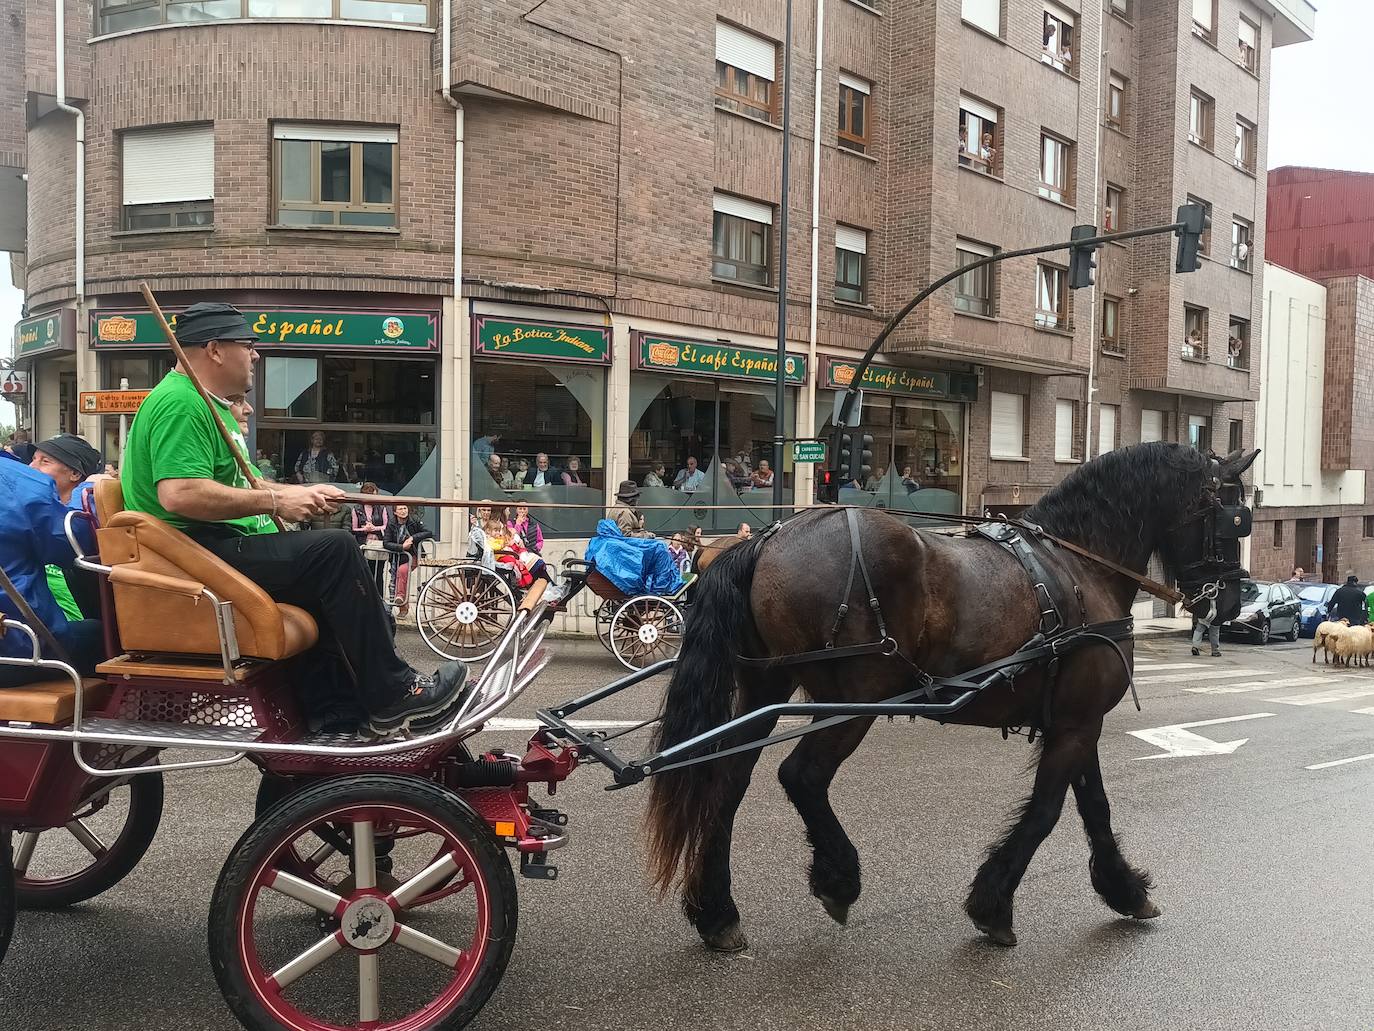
<point x="1220" y="519"/>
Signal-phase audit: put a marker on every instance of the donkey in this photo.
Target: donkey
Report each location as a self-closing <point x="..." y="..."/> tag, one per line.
<point x="951" y="603"/>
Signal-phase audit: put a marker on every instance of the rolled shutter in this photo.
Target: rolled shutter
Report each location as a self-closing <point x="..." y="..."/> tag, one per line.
<point x="1062" y="13"/>
<point x="1063" y="431"/>
<point x="847" y="239"/>
<point x="1151" y="425"/>
<point x="334" y="133"/>
<point x="1202" y="13"/>
<point x="169" y="165"/>
<point x="1106" y="429"/>
<point x="728" y="204"/>
<point x="1008" y="432"/>
<point x="1249" y="35"/>
<point x="744" y="50"/>
<point x="855" y="83"/>
<point x="986" y="14"/>
<point x="986" y="112"/>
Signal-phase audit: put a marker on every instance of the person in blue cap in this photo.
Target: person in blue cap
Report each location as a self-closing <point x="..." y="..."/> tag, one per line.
<point x="178" y="467"/>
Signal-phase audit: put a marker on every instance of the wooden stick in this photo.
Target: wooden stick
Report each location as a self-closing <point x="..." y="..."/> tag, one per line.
<point x="392" y="500"/>
<point x="240" y="459"/>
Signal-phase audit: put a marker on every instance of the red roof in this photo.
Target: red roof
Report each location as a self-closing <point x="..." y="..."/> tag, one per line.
<point x="1320" y="222"/>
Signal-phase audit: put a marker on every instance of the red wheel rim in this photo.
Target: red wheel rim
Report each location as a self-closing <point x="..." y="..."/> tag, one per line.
<point x="273" y="877"/>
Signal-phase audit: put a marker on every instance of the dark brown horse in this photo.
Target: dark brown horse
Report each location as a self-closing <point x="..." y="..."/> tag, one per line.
<point x="952" y="603"/>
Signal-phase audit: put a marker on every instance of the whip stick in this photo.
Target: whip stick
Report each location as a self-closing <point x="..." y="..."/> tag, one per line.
<point x="240" y="459"/>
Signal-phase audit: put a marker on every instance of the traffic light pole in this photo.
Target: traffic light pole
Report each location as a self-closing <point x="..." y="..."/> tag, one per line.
<point x="780" y="395"/>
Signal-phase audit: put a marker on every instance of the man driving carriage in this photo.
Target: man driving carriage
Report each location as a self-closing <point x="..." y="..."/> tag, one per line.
<point x="178" y="468"/>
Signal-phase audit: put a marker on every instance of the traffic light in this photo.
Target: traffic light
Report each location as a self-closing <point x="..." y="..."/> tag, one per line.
<point x="845" y="456"/>
<point x="861" y="460"/>
<point x="826" y="491"/>
<point x="1082" y="260"/>
<point x="1196" y="221"/>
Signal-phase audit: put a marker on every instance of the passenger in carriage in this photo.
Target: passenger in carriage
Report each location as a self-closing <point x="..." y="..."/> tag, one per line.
<point x="179" y="469"/>
<point x="34" y="537"/>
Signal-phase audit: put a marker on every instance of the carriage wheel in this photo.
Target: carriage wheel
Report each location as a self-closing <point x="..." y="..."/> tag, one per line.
<point x="7" y="901"/>
<point x="95" y="850"/>
<point x="646" y="630"/>
<point x="463" y="612"/>
<point x="288" y="952"/>
<point x="605" y="617"/>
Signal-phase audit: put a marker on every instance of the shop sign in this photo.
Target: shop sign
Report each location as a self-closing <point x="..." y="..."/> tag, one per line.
<point x="111" y="402"/>
<point x="553" y="341"/>
<point x="662" y="354"/>
<point x="334" y="328"/>
<point x="15" y="385"/>
<point x="887" y="379"/>
<point x="46" y="333"/>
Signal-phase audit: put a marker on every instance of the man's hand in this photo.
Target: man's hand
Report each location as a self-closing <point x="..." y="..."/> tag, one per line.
<point x="297" y="504"/>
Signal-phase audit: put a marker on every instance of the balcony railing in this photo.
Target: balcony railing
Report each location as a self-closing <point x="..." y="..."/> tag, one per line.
<point x="1194" y="350"/>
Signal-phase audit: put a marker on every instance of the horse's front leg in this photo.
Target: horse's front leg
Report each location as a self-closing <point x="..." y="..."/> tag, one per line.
<point x="1122" y="886"/>
<point x="989" y="902"/>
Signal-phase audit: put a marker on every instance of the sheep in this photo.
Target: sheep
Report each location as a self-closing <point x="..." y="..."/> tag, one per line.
<point x="1324" y="631"/>
<point x="1347" y="644"/>
<point x="1361" y="644"/>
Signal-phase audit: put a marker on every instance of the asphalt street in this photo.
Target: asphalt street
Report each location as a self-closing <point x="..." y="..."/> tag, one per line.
<point x="1262" y="864"/>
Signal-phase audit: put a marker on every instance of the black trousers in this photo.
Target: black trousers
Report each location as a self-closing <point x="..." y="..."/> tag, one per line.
<point x="324" y="572"/>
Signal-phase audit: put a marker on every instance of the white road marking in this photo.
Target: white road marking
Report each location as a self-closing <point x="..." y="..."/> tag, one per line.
<point x="1262" y="685"/>
<point x="1216" y="674"/>
<point x="1152" y="666"/>
<point x="1340" y="762"/>
<point x="1178" y="741"/>
<point x="1367" y="712"/>
<point x="1339" y="694"/>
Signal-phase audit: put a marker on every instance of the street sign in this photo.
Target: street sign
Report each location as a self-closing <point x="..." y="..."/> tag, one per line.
<point x="112" y="402"/>
<point x="15" y="384"/>
<point x="808" y="451"/>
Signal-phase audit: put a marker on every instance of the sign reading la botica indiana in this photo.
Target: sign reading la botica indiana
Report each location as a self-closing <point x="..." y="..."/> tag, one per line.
<point x="707" y="359"/>
<point x="506" y="338"/>
<point x="888" y="379"/>
<point x="300" y="327"/>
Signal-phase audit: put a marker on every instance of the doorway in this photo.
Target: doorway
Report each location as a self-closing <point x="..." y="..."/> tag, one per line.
<point x="1305" y="546"/>
<point x="1331" y="539"/>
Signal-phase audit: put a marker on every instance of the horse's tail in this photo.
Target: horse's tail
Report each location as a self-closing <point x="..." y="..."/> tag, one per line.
<point x="685" y="803"/>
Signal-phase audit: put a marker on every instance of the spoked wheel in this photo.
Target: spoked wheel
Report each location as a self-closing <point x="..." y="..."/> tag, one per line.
<point x="7" y="900"/>
<point x="95" y="850"/>
<point x="605" y="616"/>
<point x="463" y="611"/>
<point x="646" y="630"/>
<point x="421" y="946"/>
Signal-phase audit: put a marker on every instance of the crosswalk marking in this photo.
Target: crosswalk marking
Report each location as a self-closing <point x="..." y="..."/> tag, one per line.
<point x="1151" y="667"/>
<point x="1366" y="712"/>
<point x="1262" y="685"/>
<point x="1340" y="762"/>
<point x="1339" y="694"/>
<point x="1216" y="674"/>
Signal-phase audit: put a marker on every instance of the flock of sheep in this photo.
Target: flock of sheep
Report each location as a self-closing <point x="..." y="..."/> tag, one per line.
<point x="1349" y="645"/>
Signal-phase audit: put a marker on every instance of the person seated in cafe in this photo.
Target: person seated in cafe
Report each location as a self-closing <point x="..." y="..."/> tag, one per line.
<point x="572" y="473"/>
<point x="522" y="466"/>
<point x="369" y="523"/>
<point x="499" y="473"/>
<point x="875" y="480"/>
<point x="542" y="474"/>
<point x="527" y="529"/>
<point x="403" y="536"/>
<point x="179" y="469"/>
<point x="689" y="479"/>
<point x="909" y="480"/>
<point x="763" y="476"/>
<point x="317" y="464"/>
<point x="626" y="516"/>
<point x="654" y="477"/>
<point x="737" y="475"/>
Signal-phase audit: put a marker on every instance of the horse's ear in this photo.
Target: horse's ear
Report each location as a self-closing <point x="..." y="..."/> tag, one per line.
<point x="1237" y="462"/>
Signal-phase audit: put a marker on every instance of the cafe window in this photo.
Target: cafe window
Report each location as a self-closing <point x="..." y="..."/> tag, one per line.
<point x="122" y="15"/>
<point x="168" y="177"/>
<point x="745" y="68"/>
<point x="335" y="177"/>
<point x="854" y="113"/>
<point x="973" y="291"/>
<point x="851" y="264"/>
<point x="741" y="240"/>
<point x="978" y="136"/>
<point x="132" y="372"/>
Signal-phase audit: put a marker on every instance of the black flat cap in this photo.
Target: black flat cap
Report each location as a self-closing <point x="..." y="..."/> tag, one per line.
<point x="73" y="452"/>
<point x="210" y="320"/>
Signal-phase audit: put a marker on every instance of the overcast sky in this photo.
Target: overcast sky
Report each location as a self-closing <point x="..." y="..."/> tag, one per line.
<point x="1314" y="113"/>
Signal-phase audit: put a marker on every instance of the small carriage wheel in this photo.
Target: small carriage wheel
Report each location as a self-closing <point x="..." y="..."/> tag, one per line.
<point x="463" y="611"/>
<point x="107" y="853"/>
<point x="277" y="969"/>
<point x="645" y="630"/>
<point x="7" y="901"/>
<point x="605" y="617"/>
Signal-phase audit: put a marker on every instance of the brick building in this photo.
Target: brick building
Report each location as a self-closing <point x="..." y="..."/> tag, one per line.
<point x="617" y="175"/>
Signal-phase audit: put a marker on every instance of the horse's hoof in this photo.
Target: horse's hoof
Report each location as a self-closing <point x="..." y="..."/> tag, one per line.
<point x="839" y="911"/>
<point x="1146" y="911"/>
<point x="1000" y="935"/>
<point x="727" y="939"/>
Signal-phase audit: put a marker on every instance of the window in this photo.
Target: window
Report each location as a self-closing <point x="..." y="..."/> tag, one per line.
<point x="1194" y="333"/>
<point x="1056" y="168"/>
<point x="1200" y="107"/>
<point x="1240" y="244"/>
<point x="1111" y="325"/>
<point x="335" y="176"/>
<point x="1058" y="37"/>
<point x="973" y="290"/>
<point x="1116" y="102"/>
<point x="1008" y="426"/>
<point x="120" y="15"/>
<point x="851" y="264"/>
<point x="1106" y="428"/>
<point x="1245" y="145"/>
<point x="1151" y="425"/>
<point x="1200" y="432"/>
<point x="986" y="14"/>
<point x="1114" y="211"/>
<point x="1248" y="58"/>
<point x="169" y="177"/>
<point x="1205" y="20"/>
<point x="1368" y="530"/>
<point x="1235" y="435"/>
<point x="1238" y="343"/>
<point x="854" y="113"/>
<point x="1205" y="240"/>
<point x="1278" y="533"/>
<point x="741" y="240"/>
<point x="1064" y="436"/>
<point x="1051" y="297"/>
<point x="978" y="137"/>
<point x="745" y="69"/>
<point x="1122" y="8"/>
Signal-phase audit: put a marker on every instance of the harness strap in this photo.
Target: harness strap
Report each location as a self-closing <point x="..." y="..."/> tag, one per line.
<point x="1154" y="587"/>
<point x="856" y="559"/>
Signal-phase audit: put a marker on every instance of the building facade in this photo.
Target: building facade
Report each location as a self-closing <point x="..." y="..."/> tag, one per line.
<point x="616" y="176"/>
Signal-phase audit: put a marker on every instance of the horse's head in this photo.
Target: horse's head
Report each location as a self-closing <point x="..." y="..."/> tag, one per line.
<point x="1202" y="548"/>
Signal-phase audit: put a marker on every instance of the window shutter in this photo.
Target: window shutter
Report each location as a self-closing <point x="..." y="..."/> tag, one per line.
<point x="980" y="249"/>
<point x="728" y="204"/>
<point x="1151" y="425"/>
<point x="1063" y="431"/>
<point x="977" y="107"/>
<point x="167" y="166"/>
<point x="1008" y="426"/>
<point x="1202" y="13"/>
<point x="333" y="133"/>
<point x="855" y="83"/>
<point x="847" y="239"/>
<point x="741" y="49"/>
<point x="1062" y="13"/>
<point x="986" y="14"/>
<point x="1106" y="428"/>
<point x="1248" y="35"/>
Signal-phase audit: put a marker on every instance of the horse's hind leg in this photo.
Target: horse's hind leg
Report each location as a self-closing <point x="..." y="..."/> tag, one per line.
<point x="989" y="902"/>
<point x="806" y="775"/>
<point x="1122" y="886"/>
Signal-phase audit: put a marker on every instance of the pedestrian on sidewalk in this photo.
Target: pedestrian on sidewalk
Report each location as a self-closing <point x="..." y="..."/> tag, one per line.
<point x="1348" y="602"/>
<point x="1206" y="622"/>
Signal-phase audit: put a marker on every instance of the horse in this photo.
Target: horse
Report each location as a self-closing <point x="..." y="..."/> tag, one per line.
<point x="951" y="603"/>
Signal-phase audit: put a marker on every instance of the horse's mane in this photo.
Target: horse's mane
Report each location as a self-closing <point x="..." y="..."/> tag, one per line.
<point x="1121" y="504"/>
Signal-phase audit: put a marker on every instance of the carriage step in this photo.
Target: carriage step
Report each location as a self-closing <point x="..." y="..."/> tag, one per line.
<point x="180" y="733"/>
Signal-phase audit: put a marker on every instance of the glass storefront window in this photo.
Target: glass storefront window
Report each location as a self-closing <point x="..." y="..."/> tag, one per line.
<point x="143" y="372"/>
<point x="289" y="388"/>
<point x="378" y="390"/>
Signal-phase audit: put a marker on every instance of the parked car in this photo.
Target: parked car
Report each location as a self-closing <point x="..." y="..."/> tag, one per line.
<point x="1266" y="610"/>
<point x="1315" y="599"/>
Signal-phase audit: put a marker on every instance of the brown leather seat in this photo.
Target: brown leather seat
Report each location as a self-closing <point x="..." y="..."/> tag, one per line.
<point x="50" y="701"/>
<point x="158" y="574"/>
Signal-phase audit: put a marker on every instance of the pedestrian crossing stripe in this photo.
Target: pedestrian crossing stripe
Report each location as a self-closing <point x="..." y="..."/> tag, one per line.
<point x="1152" y="667"/>
<point x="1339" y="694"/>
<point x="1179" y="678"/>
<point x="1264" y="685"/>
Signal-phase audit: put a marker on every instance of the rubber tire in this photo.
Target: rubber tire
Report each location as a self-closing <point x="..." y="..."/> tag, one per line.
<point x="8" y="903"/>
<point x="1264" y="633"/>
<point x="135" y="838"/>
<point x="1292" y="634"/>
<point x="263" y="836"/>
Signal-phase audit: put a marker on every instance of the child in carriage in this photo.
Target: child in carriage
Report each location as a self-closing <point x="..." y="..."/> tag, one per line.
<point x="496" y="542"/>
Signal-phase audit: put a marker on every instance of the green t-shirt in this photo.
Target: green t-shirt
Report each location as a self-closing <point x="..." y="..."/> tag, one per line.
<point x="62" y="594"/>
<point x="172" y="438"/>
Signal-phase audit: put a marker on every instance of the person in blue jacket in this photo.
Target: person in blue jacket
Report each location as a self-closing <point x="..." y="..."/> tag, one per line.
<point x="33" y="536"/>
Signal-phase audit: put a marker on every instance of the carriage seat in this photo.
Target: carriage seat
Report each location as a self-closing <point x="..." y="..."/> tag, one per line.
<point x="157" y="577"/>
<point x="50" y="701"/>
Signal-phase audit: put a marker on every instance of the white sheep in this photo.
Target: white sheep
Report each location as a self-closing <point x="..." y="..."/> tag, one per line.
<point x="1321" y="639"/>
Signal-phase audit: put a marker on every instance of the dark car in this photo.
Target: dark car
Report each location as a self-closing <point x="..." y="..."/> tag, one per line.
<point x="1315" y="600"/>
<point x="1266" y="610"/>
